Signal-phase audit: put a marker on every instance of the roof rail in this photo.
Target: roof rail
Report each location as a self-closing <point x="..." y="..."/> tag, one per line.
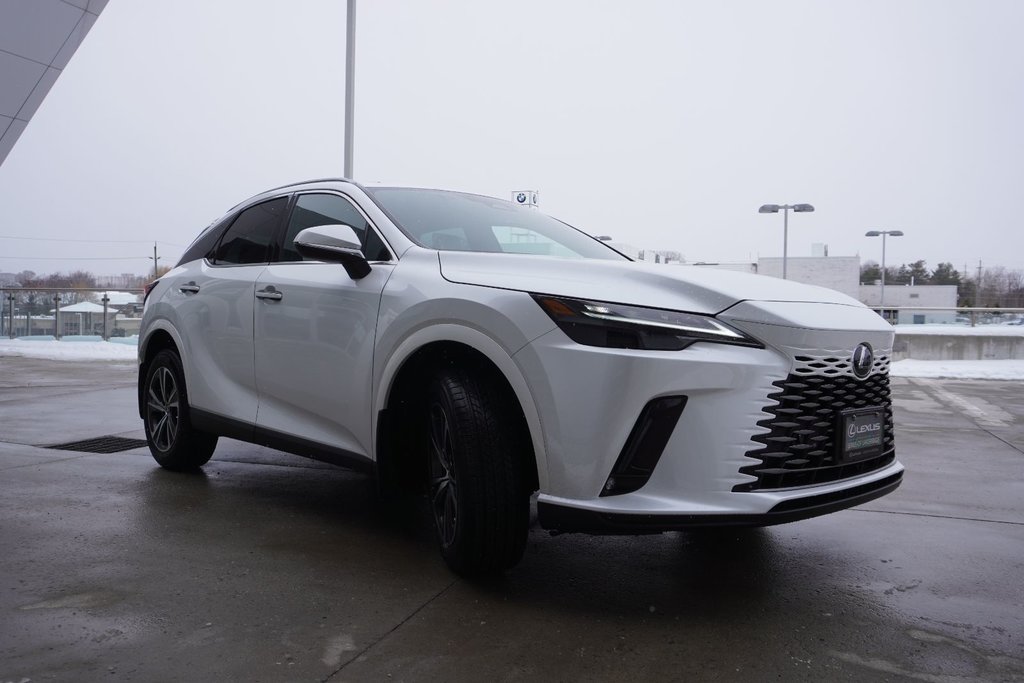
<point x="307" y="182"/>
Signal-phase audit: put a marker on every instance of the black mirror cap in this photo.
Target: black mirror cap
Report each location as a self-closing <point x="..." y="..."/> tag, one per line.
<point x="352" y="260"/>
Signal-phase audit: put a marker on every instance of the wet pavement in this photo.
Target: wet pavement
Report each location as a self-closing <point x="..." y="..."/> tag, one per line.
<point x="268" y="567"/>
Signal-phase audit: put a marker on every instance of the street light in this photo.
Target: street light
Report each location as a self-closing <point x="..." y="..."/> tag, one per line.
<point x="350" y="85"/>
<point x="884" y="234"/>
<point x="774" y="208"/>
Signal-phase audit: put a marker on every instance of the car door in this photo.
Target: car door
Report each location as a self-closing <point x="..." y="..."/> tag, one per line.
<point x="215" y="313"/>
<point x="314" y="334"/>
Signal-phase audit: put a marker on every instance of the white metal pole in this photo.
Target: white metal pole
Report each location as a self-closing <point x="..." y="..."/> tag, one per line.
<point x="350" y="85"/>
<point x="882" y="294"/>
<point x="785" y="238"/>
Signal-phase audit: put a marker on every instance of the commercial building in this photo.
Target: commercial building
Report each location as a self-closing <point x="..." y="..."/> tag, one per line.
<point x="913" y="302"/>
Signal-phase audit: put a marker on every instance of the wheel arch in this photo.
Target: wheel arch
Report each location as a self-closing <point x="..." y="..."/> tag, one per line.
<point x="410" y="365"/>
<point x="159" y="338"/>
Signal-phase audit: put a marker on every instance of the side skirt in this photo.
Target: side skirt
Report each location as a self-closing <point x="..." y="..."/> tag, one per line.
<point x="243" y="431"/>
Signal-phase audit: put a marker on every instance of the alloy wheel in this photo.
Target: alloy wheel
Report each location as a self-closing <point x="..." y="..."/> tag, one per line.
<point x="444" y="490"/>
<point x="163" y="409"/>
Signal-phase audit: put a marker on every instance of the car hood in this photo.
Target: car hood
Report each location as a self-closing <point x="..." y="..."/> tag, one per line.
<point x="675" y="287"/>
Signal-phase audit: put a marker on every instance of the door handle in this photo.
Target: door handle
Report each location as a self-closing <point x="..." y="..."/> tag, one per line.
<point x="269" y="293"/>
<point x="190" y="288"/>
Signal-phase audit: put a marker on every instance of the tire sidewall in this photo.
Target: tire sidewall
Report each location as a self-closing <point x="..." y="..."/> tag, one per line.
<point x="440" y="397"/>
<point x="180" y="456"/>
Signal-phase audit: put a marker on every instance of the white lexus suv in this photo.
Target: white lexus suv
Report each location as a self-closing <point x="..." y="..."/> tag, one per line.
<point x="483" y="352"/>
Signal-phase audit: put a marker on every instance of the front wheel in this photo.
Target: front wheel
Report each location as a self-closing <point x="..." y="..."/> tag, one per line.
<point x="478" y="496"/>
<point x="172" y="440"/>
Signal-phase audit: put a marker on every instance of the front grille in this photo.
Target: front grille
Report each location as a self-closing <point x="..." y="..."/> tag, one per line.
<point x="800" y="448"/>
<point x="837" y="363"/>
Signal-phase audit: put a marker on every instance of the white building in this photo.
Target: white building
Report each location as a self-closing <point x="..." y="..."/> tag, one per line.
<point x="740" y="267"/>
<point x="646" y="255"/>
<point x="908" y="298"/>
<point x="841" y="273"/>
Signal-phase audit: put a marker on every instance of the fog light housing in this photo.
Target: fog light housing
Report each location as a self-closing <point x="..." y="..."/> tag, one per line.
<point x="646" y="443"/>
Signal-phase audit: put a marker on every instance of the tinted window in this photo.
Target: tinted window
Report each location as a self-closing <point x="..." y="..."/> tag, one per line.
<point x="466" y="222"/>
<point x="251" y="236"/>
<point x="329" y="209"/>
<point x="203" y="245"/>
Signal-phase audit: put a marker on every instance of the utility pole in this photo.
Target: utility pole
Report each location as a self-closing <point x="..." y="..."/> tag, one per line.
<point x="156" y="260"/>
<point x="977" y="287"/>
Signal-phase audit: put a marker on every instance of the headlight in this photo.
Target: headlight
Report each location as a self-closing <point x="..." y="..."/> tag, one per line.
<point x="618" y="326"/>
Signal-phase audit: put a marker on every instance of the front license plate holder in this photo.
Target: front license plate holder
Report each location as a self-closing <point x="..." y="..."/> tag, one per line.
<point x="861" y="434"/>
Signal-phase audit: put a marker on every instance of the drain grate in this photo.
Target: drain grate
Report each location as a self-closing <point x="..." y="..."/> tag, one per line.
<point x="101" y="444"/>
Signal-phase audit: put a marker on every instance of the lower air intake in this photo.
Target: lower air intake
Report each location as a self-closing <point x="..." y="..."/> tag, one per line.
<point x="800" y="448"/>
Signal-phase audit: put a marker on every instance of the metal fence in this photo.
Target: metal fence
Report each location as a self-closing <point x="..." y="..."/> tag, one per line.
<point x="68" y="311"/>
<point x="50" y="311"/>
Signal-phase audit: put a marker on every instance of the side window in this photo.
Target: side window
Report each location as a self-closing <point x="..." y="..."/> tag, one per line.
<point x="329" y="209"/>
<point x="203" y="246"/>
<point x="250" y="237"/>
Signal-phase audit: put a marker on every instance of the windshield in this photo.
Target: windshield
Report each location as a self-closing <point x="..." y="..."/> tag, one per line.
<point x="453" y="221"/>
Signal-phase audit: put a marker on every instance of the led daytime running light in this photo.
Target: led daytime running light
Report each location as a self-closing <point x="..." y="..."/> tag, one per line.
<point x="595" y="323"/>
<point x="605" y="313"/>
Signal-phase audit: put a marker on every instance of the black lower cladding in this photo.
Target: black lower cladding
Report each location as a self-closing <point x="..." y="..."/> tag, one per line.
<point x="801" y="448"/>
<point x="212" y="423"/>
<point x="566" y="519"/>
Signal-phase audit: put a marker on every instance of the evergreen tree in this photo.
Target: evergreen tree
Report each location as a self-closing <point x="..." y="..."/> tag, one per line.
<point x="870" y="272"/>
<point x="945" y="274"/>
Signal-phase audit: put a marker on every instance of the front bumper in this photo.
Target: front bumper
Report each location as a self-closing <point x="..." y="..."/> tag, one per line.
<point x="589" y="400"/>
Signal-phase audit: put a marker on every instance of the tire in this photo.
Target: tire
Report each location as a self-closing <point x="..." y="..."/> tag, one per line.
<point x="476" y="488"/>
<point x="173" y="441"/>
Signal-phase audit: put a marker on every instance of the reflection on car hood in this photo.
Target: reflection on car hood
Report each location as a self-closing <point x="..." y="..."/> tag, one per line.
<point x="675" y="287"/>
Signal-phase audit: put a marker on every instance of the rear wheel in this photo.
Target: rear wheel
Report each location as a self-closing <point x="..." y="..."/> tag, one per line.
<point x="478" y="496"/>
<point x="172" y="440"/>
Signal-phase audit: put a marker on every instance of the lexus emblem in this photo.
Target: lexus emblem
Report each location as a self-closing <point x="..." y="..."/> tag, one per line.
<point x="863" y="360"/>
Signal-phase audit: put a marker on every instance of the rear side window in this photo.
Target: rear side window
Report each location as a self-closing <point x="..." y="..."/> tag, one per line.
<point x="203" y="245"/>
<point x="330" y="209"/>
<point x="251" y="236"/>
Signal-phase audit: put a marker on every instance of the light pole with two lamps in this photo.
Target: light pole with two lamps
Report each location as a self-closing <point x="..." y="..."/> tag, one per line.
<point x="774" y="208"/>
<point x="884" y="234"/>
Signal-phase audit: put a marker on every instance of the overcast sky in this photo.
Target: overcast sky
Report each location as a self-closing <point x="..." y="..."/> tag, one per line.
<point x="662" y="124"/>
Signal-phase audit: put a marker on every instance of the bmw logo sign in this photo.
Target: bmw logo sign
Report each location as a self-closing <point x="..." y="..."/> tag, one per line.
<point x="521" y="198"/>
<point x="863" y="360"/>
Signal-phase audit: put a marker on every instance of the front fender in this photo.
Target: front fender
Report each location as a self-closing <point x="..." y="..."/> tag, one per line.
<point x="483" y="344"/>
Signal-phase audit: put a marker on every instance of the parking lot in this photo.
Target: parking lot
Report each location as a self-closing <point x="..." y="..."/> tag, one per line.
<point x="268" y="567"/>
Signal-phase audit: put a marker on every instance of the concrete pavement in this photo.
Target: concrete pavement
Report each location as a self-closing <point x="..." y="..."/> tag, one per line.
<point x="268" y="567"/>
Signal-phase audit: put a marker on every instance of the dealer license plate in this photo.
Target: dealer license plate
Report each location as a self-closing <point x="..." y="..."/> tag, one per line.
<point x="861" y="433"/>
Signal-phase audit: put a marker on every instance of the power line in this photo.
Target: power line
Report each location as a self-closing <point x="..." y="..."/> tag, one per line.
<point x="59" y="239"/>
<point x="78" y="258"/>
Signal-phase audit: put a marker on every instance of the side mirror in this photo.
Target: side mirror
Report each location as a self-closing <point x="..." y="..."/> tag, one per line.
<point x="334" y="244"/>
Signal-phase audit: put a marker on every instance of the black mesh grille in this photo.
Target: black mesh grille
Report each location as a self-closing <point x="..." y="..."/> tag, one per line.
<point x="800" y="449"/>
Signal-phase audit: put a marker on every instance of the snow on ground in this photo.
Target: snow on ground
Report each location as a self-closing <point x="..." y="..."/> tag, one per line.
<point x="963" y="330"/>
<point x="125" y="350"/>
<point x="68" y="350"/>
<point x="959" y="369"/>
